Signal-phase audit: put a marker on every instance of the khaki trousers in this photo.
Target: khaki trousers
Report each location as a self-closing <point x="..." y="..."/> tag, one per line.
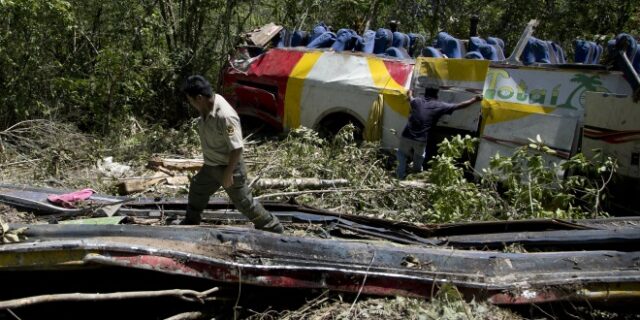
<point x="209" y="179"/>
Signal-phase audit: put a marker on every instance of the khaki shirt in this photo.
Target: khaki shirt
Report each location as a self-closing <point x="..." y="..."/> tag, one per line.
<point x="220" y="133"/>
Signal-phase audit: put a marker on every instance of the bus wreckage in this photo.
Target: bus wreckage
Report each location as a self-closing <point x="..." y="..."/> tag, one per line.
<point x="572" y="107"/>
<point x="594" y="260"/>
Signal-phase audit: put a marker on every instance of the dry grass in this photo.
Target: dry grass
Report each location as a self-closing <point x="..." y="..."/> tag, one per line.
<point x="399" y="308"/>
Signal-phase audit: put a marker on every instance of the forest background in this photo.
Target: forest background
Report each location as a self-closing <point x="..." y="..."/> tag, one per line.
<point x="95" y="64"/>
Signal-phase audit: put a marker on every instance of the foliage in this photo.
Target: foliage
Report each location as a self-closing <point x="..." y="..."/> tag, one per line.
<point x="304" y="154"/>
<point x="452" y="197"/>
<point x="96" y="63"/>
<point x="520" y="186"/>
<point x="535" y="188"/>
<point x="515" y="187"/>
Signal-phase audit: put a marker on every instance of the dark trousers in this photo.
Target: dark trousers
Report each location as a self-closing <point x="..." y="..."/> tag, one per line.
<point x="209" y="179"/>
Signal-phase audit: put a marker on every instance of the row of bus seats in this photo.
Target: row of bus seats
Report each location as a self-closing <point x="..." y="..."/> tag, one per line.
<point x="542" y="51"/>
<point x="585" y="52"/>
<point x="446" y="45"/>
<point x="632" y="52"/>
<point x="384" y="42"/>
<point x="589" y="52"/>
<point x="381" y="42"/>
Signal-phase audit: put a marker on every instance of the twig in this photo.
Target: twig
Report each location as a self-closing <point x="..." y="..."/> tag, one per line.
<point x="269" y="163"/>
<point x="316" y="301"/>
<point x="194" y="315"/>
<point x="13" y="314"/>
<point x="363" y="282"/>
<point x="254" y="181"/>
<point x="18" y="162"/>
<point x="542" y="310"/>
<point x="530" y="195"/>
<point x="187" y="295"/>
<point x="366" y="175"/>
<point x="604" y="185"/>
<point x="235" y="306"/>
<point x="296" y="193"/>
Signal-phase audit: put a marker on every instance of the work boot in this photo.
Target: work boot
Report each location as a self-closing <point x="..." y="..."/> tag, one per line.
<point x="272" y="225"/>
<point x="192" y="218"/>
<point x="188" y="222"/>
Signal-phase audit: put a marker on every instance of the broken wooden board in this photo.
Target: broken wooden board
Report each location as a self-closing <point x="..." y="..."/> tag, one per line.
<point x="261" y="37"/>
<point x="96" y="221"/>
<point x="137" y="184"/>
<point x="176" y="164"/>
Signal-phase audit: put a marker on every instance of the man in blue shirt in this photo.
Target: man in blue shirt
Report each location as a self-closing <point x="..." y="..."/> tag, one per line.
<point x="424" y="115"/>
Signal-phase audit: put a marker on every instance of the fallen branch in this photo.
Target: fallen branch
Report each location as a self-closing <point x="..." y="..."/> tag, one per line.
<point x="18" y="162"/>
<point x="363" y="282"/>
<point x="299" y="183"/>
<point x="415" y="184"/>
<point x="194" y="315"/>
<point x="297" y="193"/>
<point x="187" y="295"/>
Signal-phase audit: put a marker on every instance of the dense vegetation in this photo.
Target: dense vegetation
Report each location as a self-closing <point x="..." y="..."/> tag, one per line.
<point x="96" y="64"/>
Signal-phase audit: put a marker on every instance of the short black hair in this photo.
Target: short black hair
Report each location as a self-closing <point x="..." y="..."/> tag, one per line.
<point x="393" y="25"/>
<point x="197" y="85"/>
<point x="431" y="92"/>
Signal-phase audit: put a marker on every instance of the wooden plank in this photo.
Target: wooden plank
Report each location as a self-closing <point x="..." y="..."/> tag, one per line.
<point x="263" y="35"/>
<point x="131" y="185"/>
<point x="176" y="164"/>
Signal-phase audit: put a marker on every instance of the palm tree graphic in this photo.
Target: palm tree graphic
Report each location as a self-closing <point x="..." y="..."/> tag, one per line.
<point x="587" y="83"/>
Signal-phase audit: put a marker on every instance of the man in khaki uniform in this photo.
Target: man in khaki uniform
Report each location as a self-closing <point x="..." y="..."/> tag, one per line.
<point x="221" y="140"/>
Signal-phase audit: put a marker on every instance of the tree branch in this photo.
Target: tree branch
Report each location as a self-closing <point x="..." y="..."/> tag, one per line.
<point x="296" y="193"/>
<point x="187" y="295"/>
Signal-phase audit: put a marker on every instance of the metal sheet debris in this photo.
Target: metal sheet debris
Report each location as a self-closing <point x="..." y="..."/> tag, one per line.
<point x="574" y="260"/>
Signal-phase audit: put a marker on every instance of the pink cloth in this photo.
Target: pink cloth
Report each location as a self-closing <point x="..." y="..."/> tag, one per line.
<point x="67" y="200"/>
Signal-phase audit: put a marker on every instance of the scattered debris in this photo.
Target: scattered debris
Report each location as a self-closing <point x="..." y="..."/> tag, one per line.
<point x="11" y="235"/>
<point x="96" y="221"/>
<point x="68" y="200"/>
<point x="261" y="36"/>
<point x="137" y="184"/>
<point x="112" y="169"/>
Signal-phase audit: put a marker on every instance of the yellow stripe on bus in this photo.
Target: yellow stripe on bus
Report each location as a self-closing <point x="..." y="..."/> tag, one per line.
<point x="395" y="94"/>
<point x="453" y="69"/>
<point x="295" y="84"/>
<point x="494" y="111"/>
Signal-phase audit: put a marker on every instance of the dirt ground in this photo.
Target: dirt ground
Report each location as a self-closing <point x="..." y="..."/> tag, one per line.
<point x="12" y="215"/>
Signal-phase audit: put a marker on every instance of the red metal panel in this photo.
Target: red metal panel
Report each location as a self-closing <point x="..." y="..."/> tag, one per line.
<point x="399" y="70"/>
<point x="345" y="282"/>
<point x="275" y="63"/>
<point x="272" y="69"/>
<point x="256" y="98"/>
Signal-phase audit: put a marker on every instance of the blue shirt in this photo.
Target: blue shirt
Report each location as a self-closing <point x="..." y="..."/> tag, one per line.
<point x="424" y="115"/>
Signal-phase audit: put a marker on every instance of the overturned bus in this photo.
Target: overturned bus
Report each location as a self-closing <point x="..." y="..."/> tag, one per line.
<point x="573" y="107"/>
